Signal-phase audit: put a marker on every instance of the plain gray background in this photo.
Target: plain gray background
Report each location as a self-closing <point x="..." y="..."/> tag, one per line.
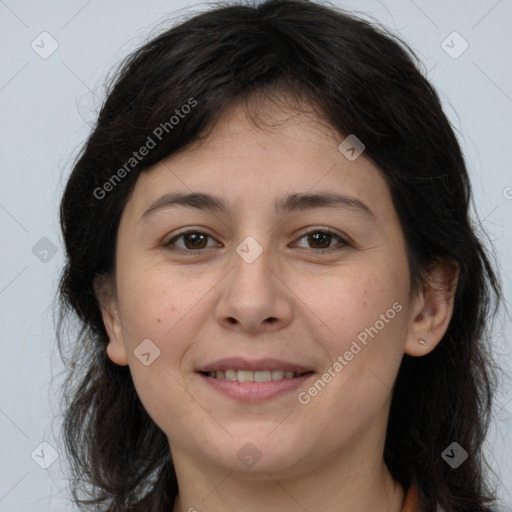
<point x="47" y="107"/>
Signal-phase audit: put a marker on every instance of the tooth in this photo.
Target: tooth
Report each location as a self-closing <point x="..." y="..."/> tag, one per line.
<point x="277" y="374"/>
<point x="231" y="374"/>
<point x="262" y="376"/>
<point x="245" y="376"/>
<point x="250" y="376"/>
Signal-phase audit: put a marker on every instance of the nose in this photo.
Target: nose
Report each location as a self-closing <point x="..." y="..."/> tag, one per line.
<point x="254" y="297"/>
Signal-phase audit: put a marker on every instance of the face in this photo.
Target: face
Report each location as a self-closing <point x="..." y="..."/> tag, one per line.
<point x="302" y="269"/>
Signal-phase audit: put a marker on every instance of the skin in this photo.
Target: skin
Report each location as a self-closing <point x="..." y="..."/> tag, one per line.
<point x="197" y="308"/>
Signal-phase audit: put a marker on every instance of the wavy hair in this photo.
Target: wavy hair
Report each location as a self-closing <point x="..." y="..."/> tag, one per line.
<point x="360" y="79"/>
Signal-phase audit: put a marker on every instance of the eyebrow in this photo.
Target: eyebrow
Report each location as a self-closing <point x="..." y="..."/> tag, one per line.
<point x="292" y="202"/>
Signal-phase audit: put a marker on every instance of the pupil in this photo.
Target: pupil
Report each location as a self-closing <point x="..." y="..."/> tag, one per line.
<point x="323" y="237"/>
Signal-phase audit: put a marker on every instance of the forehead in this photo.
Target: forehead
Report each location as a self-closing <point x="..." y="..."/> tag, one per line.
<point x="269" y="121"/>
<point x="256" y="160"/>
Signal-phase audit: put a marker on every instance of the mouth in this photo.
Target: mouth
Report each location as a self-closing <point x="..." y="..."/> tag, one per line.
<point x="254" y="376"/>
<point x="254" y="381"/>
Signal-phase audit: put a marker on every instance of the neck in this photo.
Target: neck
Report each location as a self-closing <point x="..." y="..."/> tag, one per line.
<point x="355" y="481"/>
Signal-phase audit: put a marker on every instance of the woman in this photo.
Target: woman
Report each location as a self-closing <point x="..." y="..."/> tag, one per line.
<point x="281" y="294"/>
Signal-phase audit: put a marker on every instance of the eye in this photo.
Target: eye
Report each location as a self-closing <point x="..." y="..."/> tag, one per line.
<point x="321" y="239"/>
<point x="193" y="240"/>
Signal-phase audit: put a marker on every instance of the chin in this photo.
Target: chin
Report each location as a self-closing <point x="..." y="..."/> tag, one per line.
<point x="254" y="456"/>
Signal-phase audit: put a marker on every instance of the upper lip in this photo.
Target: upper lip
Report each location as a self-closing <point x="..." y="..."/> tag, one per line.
<point x="237" y="363"/>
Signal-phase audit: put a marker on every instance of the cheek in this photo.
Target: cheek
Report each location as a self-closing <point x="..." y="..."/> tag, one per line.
<point x="164" y="397"/>
<point x="364" y="318"/>
<point x="358" y="299"/>
<point x="156" y="307"/>
<point x="156" y="302"/>
<point x="168" y="308"/>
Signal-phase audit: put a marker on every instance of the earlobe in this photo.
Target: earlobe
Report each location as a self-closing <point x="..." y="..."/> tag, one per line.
<point x="106" y="296"/>
<point x="433" y="309"/>
<point x="117" y="352"/>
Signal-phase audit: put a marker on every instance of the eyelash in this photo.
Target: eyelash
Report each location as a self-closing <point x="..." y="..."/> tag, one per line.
<point x="328" y="231"/>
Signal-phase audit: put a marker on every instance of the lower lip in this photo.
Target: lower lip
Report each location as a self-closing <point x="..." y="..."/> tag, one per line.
<point x="255" y="391"/>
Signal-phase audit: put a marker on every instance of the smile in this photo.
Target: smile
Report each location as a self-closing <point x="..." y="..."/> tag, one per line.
<point x="253" y="381"/>
<point x="256" y="376"/>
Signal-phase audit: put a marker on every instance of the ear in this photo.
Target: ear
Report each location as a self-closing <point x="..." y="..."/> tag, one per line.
<point x="104" y="289"/>
<point x="432" y="308"/>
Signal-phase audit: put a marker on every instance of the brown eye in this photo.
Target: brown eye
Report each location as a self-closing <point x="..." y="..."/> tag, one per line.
<point x="196" y="240"/>
<point x="192" y="240"/>
<point x="322" y="239"/>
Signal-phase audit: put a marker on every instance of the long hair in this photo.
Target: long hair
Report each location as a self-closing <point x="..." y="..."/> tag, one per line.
<point x="361" y="80"/>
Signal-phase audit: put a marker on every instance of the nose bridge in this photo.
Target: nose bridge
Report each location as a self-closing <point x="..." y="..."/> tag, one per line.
<point x="252" y="266"/>
<point x="253" y="296"/>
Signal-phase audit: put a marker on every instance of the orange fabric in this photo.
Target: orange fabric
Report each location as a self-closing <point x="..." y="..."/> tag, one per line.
<point x="412" y="500"/>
